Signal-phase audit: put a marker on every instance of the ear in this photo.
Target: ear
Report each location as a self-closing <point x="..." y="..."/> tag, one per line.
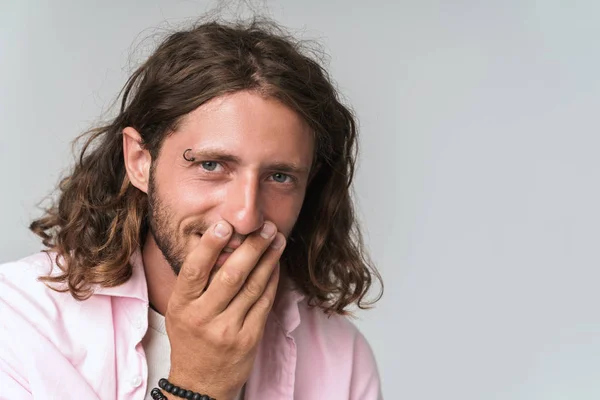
<point x="137" y="159"/>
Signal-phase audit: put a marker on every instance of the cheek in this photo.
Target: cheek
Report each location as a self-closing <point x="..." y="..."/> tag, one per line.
<point x="283" y="211"/>
<point x="193" y="198"/>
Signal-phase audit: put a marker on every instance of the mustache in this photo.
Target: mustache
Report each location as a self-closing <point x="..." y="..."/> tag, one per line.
<point x="197" y="228"/>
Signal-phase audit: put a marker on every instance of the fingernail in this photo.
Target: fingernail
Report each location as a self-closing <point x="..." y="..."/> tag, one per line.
<point x="278" y="242"/>
<point x="268" y="230"/>
<point x="222" y="230"/>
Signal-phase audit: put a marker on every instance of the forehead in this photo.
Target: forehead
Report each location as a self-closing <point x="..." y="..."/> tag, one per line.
<point x="254" y="128"/>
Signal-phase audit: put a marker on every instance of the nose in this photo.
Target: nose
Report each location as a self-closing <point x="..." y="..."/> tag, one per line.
<point x="242" y="208"/>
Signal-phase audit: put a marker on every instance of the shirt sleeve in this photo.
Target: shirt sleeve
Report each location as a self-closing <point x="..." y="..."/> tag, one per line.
<point x="12" y="384"/>
<point x="11" y="387"/>
<point x="365" y="384"/>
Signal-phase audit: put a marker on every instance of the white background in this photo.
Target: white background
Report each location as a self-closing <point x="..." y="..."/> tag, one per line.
<point x="478" y="181"/>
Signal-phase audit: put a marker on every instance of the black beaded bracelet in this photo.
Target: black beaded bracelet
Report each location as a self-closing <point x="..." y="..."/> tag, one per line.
<point x="177" y="391"/>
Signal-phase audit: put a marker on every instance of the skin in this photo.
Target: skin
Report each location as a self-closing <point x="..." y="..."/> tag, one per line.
<point x="251" y="166"/>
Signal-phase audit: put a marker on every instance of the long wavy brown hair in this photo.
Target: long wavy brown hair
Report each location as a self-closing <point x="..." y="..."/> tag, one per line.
<point x="99" y="219"/>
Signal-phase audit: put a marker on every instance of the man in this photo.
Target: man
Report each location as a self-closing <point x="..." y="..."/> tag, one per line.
<point x="205" y="236"/>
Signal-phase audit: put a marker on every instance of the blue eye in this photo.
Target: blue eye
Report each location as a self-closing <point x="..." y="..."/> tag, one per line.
<point x="279" y="177"/>
<point x="209" y="165"/>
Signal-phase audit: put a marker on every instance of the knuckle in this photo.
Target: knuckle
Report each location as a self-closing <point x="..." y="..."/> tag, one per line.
<point x="194" y="274"/>
<point x="253" y="289"/>
<point x="264" y="303"/>
<point x="247" y="342"/>
<point x="232" y="278"/>
<point x="199" y="321"/>
<point x="224" y="335"/>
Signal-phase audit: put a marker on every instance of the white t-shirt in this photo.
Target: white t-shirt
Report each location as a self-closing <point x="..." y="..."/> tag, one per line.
<point x="158" y="352"/>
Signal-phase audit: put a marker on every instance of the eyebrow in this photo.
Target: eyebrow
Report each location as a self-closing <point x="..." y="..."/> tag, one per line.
<point x="220" y="155"/>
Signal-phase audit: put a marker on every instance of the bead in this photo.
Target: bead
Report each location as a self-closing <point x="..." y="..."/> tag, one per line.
<point x="174" y="390"/>
<point x="180" y="392"/>
<point x="188" y="394"/>
<point x="162" y="383"/>
<point x="169" y="387"/>
<point x="157" y="394"/>
<point x="197" y="396"/>
<point x="204" y="397"/>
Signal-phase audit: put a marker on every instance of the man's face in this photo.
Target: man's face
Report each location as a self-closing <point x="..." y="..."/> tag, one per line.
<point x="252" y="159"/>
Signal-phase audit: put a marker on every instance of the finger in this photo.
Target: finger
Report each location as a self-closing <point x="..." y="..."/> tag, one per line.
<point x="199" y="262"/>
<point x="257" y="281"/>
<point x="228" y="281"/>
<point x="256" y="318"/>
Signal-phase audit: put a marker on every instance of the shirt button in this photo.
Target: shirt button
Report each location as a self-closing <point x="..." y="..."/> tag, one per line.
<point x="136" y="381"/>
<point x="137" y="323"/>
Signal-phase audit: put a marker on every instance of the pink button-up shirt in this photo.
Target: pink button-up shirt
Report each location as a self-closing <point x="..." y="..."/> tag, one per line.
<point x="54" y="347"/>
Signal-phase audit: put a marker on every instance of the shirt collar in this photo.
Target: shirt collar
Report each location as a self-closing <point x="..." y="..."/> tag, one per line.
<point x="135" y="287"/>
<point x="286" y="308"/>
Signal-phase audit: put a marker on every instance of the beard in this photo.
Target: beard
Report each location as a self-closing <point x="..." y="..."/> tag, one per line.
<point x="170" y="242"/>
